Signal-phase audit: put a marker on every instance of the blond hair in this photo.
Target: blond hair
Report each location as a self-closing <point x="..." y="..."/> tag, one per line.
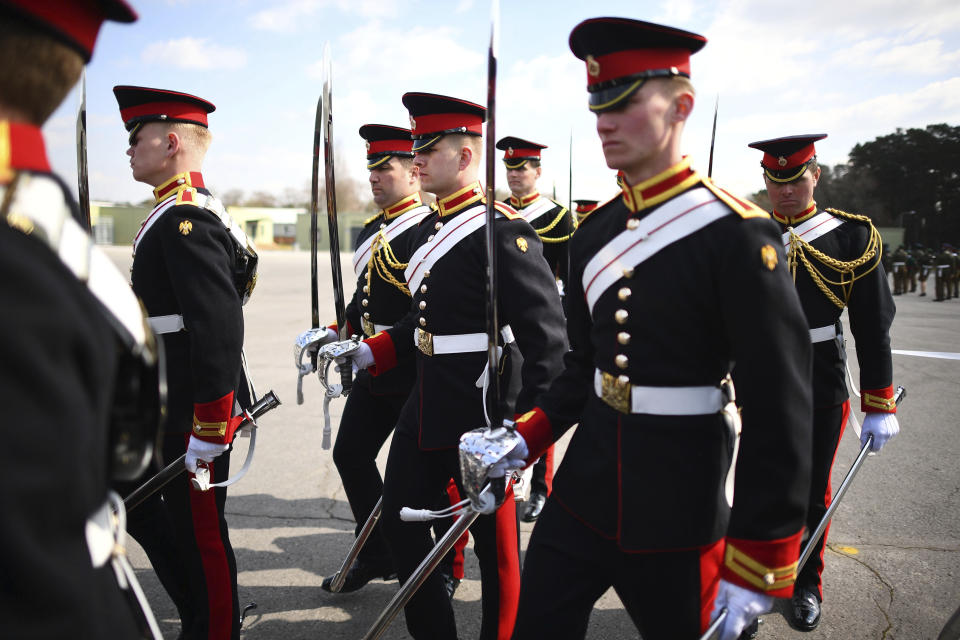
<point x="195" y="136"/>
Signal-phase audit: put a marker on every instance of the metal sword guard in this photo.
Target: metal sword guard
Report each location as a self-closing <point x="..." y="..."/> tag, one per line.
<point x="480" y="449"/>
<point x="307" y="344"/>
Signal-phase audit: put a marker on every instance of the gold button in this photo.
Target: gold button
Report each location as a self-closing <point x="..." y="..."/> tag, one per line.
<point x="621" y="361"/>
<point x="423" y="288"/>
<point x="365" y="302"/>
<point x="366" y="314"/>
<point x="632" y="224"/>
<point x="628" y="273"/>
<point x="430" y="238"/>
<point x="623" y="380"/>
<point x="621" y="316"/>
<point x="426" y="274"/>
<point x="366" y="288"/>
<point x="383" y="225"/>
<point x="768" y="578"/>
<point x="624" y="293"/>
<point x="423" y="304"/>
<point x="423" y="322"/>
<point x="623" y="337"/>
<point x="438" y="226"/>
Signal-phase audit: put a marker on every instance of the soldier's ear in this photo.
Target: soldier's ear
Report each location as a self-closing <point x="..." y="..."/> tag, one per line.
<point x="682" y="106"/>
<point x="466" y="156"/>
<point x="173" y="143"/>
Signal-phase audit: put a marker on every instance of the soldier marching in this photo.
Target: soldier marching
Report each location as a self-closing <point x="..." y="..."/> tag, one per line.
<point x="674" y="322"/>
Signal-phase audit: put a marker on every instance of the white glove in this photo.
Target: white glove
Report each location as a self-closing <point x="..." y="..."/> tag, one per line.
<point x="743" y="606"/>
<point x="882" y="426"/>
<point x="362" y="358"/>
<point x="316" y="338"/>
<point x="515" y="459"/>
<point x="199" y="449"/>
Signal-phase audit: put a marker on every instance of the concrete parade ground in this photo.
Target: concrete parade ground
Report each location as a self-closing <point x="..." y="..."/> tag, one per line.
<point x="893" y="558"/>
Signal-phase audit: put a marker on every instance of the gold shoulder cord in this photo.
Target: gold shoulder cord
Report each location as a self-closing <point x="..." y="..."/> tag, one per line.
<point x="382" y="259"/>
<point x="801" y="251"/>
<point x="550" y="226"/>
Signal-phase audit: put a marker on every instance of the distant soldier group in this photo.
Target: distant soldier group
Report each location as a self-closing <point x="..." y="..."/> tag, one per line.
<point x="912" y="265"/>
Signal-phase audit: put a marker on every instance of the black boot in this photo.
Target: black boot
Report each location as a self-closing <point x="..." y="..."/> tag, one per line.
<point x="360" y="573"/>
<point x="805" y="608"/>
<point x="449" y="582"/>
<point x="534" y="506"/>
<point x="750" y="631"/>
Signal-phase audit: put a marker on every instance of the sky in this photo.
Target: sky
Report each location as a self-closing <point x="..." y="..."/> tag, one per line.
<point x="856" y="70"/>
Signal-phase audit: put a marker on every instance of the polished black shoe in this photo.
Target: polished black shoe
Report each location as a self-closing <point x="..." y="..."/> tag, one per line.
<point x="534" y="506"/>
<point x="805" y="609"/>
<point x="449" y="582"/>
<point x="360" y="573"/>
<point x="750" y="631"/>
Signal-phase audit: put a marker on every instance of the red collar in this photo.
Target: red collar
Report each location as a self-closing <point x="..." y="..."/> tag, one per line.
<point x="21" y="148"/>
<point x="460" y="200"/>
<point x="402" y="206"/>
<point x="525" y="201"/>
<point x="186" y="180"/>
<point x="660" y="187"/>
<point x="797" y="219"/>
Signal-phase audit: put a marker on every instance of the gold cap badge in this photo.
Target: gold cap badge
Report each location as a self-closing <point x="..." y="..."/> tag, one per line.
<point x="782" y="161"/>
<point x="186" y="227"/>
<point x="509" y="151"/>
<point x="768" y="255"/>
<point x="413" y="123"/>
<point x="522" y="244"/>
<point x="593" y="67"/>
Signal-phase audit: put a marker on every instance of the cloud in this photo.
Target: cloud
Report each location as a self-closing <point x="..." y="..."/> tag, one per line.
<point x="283" y="17"/>
<point x="879" y="55"/>
<point x="194" y="54"/>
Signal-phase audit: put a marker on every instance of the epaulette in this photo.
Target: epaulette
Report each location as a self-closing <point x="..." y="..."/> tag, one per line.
<point x="587" y="215"/>
<point x="187" y="196"/>
<point x="506" y="210"/>
<point x="744" y="208"/>
<point x="372" y="218"/>
<point x="850" y="216"/>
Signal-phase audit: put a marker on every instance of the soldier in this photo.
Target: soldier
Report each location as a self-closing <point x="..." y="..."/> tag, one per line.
<point x="187" y="271"/>
<point x="555" y="225"/>
<point x="75" y="352"/>
<point x="943" y="264"/>
<point x="381" y="299"/>
<point x="583" y="208"/>
<point x="835" y="261"/>
<point x="446" y="331"/>
<point x="641" y="501"/>
<point x="900" y="258"/>
<point x="924" y="262"/>
<point x="955" y="280"/>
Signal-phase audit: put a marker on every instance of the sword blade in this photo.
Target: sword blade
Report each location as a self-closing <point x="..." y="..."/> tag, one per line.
<point x="713" y="136"/>
<point x="493" y="402"/>
<point x="83" y="182"/>
<point x="331" y="191"/>
<point x="314" y="206"/>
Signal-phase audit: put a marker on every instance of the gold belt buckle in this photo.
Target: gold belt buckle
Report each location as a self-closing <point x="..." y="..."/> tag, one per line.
<point x="615" y="392"/>
<point x="368" y="327"/>
<point x="425" y="342"/>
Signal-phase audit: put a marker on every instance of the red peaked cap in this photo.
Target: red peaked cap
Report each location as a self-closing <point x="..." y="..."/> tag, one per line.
<point x="385" y="141"/>
<point x="433" y="116"/>
<point x="142" y="104"/>
<point x="73" y="22"/>
<point x="785" y="159"/>
<point x="586" y="206"/>
<point x="517" y="151"/>
<point x="621" y="54"/>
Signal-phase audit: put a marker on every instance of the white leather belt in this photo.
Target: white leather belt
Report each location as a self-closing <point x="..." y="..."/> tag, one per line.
<point x="942" y="267"/>
<point x="822" y="334"/>
<point x="433" y="345"/>
<point x="166" y="324"/>
<point x="661" y="401"/>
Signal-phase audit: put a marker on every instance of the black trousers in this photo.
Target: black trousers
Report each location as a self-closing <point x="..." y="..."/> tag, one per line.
<point x="541" y="478"/>
<point x="828" y="424"/>
<point x="367" y="421"/>
<point x="413" y="478"/>
<point x="568" y="566"/>
<point x="184" y="533"/>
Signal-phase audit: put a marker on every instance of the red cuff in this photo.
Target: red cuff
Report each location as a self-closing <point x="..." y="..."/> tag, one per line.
<point x="535" y="428"/>
<point x="384" y="353"/>
<point x="211" y="420"/>
<point x="333" y="327"/>
<point x="769" y="566"/>
<point x="877" y="400"/>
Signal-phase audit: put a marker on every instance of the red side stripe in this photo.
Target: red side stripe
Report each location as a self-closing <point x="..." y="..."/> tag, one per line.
<point x="508" y="565"/>
<point x="711" y="557"/>
<point x="461" y="542"/>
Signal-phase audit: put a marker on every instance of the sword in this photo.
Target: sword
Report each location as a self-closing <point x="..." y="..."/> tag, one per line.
<point x="137" y="496"/>
<point x="83" y="183"/>
<point x="493" y="330"/>
<point x="818" y="532"/>
<point x="713" y="136"/>
<point x="330" y="188"/>
<point x="341" y="575"/>
<point x="314" y="205"/>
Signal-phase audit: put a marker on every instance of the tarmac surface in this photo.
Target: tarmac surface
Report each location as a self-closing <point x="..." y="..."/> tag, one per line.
<point x="893" y="559"/>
